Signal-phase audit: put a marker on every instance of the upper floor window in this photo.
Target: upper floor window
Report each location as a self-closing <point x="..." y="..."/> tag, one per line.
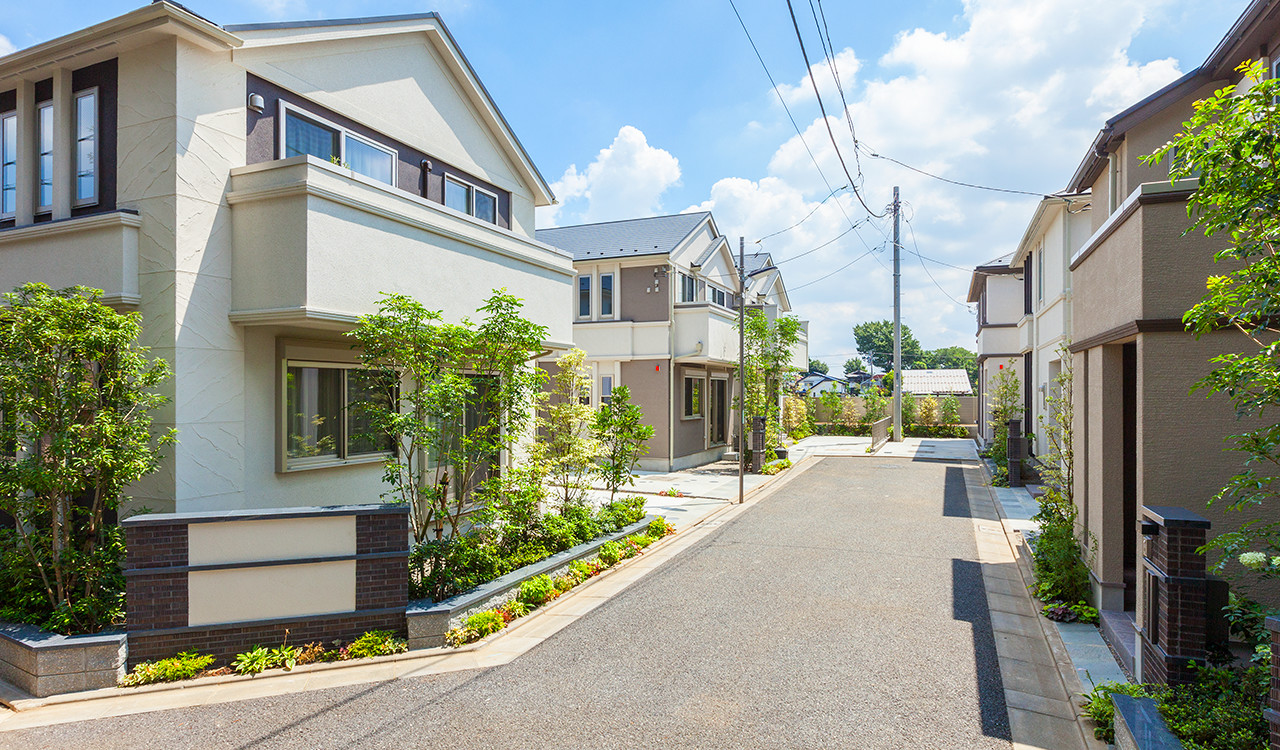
<point x="8" y="164"/>
<point x="719" y="296"/>
<point x="307" y="134"/>
<point x="1040" y="273"/>
<point x="44" y="122"/>
<point x="687" y="288"/>
<point x="584" y="296"/>
<point x="472" y="200"/>
<point x="87" y="148"/>
<point x="606" y="295"/>
<point x="486" y="206"/>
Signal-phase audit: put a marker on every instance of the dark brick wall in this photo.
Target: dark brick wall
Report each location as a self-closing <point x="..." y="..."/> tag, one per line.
<point x="382" y="532"/>
<point x="155" y="546"/>
<point x="1179" y="634"/>
<point x="382" y="582"/>
<point x="155" y="600"/>
<point x="1273" y="701"/>
<point x="225" y="642"/>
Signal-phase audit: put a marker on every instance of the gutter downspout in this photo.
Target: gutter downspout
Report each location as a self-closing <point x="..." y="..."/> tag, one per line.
<point x="671" y="369"/>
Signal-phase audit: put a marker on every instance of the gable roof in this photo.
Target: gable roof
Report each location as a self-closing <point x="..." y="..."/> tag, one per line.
<point x="936" y="381"/>
<point x="431" y="24"/>
<point x="652" y="235"/>
<point x="995" y="267"/>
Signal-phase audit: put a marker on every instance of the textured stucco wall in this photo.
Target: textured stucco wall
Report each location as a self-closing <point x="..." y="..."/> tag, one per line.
<point x="650" y="388"/>
<point x="1108" y="284"/>
<point x="640" y="305"/>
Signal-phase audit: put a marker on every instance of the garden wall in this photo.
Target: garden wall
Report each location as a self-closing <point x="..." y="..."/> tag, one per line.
<point x="223" y="582"/>
<point x="968" y="408"/>
<point x="43" y="663"/>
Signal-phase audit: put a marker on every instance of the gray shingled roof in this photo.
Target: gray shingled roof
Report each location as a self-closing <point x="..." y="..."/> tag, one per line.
<point x="654" y="235"/>
<point x="756" y="261"/>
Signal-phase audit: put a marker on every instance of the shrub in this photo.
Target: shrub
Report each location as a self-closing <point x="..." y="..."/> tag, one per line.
<point x="582" y="570"/>
<point x="927" y="413"/>
<point x="485" y="623"/>
<point x="934" y="431"/>
<point x="618" y="514"/>
<point x="1099" y="708"/>
<point x="909" y="408"/>
<point x="776" y="467"/>
<point x="376" y="643"/>
<point x="1061" y="574"/>
<point x="457" y="637"/>
<point x="640" y="540"/>
<point x="610" y="553"/>
<point x="622" y="435"/>
<point x="513" y="609"/>
<point x="536" y="591"/>
<point x="949" y="410"/>
<point x="315" y="652"/>
<point x="565" y="582"/>
<point x="659" y="527"/>
<point x="441" y="568"/>
<point x="253" y="661"/>
<point x="184" y="666"/>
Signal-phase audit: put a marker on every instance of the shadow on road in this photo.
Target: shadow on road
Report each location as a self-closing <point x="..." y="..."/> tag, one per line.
<point x="969" y="604"/>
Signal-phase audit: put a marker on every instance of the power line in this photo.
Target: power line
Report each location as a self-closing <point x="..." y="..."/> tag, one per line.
<point x="838" y="270"/>
<point x="819" y="247"/>
<point x="806" y="218"/>
<point x="825" y="120"/>
<point x="830" y="48"/>
<point x="961" y="183"/>
<point x="928" y="273"/>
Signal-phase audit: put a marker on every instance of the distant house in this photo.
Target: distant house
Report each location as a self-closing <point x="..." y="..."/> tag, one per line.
<point x="815" y="384"/>
<point x="936" y="383"/>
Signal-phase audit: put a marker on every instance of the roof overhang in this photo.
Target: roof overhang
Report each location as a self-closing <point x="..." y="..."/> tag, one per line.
<point x="105" y="40"/>
<point x="1049" y="207"/>
<point x="978" y="281"/>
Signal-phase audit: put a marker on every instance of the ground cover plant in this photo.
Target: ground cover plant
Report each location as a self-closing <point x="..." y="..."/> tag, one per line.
<point x="1221" y="710"/>
<point x="542" y="590"/>
<point x="508" y="535"/>
<point x="776" y="467"/>
<point x="74" y="381"/>
<point x="184" y="666"/>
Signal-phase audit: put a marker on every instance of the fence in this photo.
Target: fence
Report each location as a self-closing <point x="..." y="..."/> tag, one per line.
<point x="824" y="413"/>
<point x="880" y="432"/>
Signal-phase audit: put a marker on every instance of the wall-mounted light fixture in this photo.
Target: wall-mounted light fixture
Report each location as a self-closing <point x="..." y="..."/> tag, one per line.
<point x="256" y="103"/>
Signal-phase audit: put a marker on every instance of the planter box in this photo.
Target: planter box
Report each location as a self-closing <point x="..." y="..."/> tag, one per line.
<point x="43" y="663"/>
<point x="1139" y="725"/>
<point x="429" y="621"/>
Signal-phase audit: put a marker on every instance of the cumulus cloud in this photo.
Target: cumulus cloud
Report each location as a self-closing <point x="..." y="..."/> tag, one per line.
<point x="6" y="47"/>
<point x="626" y="180"/>
<point x="1010" y="95"/>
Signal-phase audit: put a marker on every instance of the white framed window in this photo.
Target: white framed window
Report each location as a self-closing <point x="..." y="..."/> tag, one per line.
<point x="606" y="389"/>
<point x="8" y="164"/>
<point x="606" y="295"/>
<point x="44" y="166"/>
<point x="457" y="195"/>
<point x="471" y="200"/>
<point x="86" y="112"/>
<point x="1040" y="273"/>
<point x="584" y="296"/>
<point x="718" y="296"/>
<point x="687" y="288"/>
<point x="302" y="132"/>
<point x="324" y="423"/>
<point x="485" y="205"/>
<point x="693" y="397"/>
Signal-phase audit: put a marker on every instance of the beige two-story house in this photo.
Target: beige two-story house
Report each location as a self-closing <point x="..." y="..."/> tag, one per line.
<point x="996" y="288"/>
<point x="251" y="191"/>
<point x="654" y="308"/>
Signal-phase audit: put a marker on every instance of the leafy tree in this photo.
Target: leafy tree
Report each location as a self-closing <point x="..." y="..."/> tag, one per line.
<point x="852" y="365"/>
<point x="875" y="406"/>
<point x="817" y="365"/>
<point x="77" y="394"/>
<point x="949" y="410"/>
<point x="953" y="358"/>
<point x="567" y="447"/>
<point x="1006" y="403"/>
<point x="875" y="342"/>
<point x="462" y="397"/>
<point x="622" y="434"/>
<point x="767" y="357"/>
<point x="1232" y="144"/>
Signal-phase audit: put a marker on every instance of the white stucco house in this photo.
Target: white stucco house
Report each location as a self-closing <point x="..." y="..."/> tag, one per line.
<point x="996" y="288"/>
<point x="251" y="190"/>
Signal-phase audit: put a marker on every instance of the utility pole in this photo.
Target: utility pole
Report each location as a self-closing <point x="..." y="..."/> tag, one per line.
<point x="897" y="326"/>
<point x="742" y="363"/>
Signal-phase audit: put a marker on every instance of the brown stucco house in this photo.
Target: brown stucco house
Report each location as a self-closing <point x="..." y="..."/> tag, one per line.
<point x="655" y="309"/>
<point x="1142" y="438"/>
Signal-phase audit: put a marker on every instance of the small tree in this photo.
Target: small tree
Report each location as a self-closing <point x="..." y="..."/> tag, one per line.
<point x="461" y="397"/>
<point x="852" y="365"/>
<point x="909" y="411"/>
<point x="875" y="406"/>
<point x="1006" y="395"/>
<point x="927" y="413"/>
<point x="949" y="410"/>
<point x="848" y="416"/>
<point x="622" y="434"/>
<point x="566" y="445"/>
<point x="77" y="394"/>
<point x="817" y="365"/>
<point x="767" y="357"/>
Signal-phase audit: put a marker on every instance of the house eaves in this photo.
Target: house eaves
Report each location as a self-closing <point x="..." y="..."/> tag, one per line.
<point x="1058" y="202"/>
<point x="301" y="32"/>
<point x="997" y="267"/>
<point x="104" y="40"/>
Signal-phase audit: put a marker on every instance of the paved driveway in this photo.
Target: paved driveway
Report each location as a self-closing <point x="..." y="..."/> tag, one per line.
<point x="847" y="609"/>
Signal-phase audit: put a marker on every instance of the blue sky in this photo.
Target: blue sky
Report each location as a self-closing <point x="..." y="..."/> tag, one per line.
<point x="631" y="109"/>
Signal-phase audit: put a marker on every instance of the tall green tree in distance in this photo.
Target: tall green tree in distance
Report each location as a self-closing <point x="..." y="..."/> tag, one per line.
<point x="852" y="365"/>
<point x="875" y="342"/>
<point x="817" y="365"/>
<point x="953" y="358"/>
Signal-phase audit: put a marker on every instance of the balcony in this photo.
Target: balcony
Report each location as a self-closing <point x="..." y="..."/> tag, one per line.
<point x="98" y="251"/>
<point x="1000" y="339"/>
<point x="316" y="244"/>
<point x="704" y="332"/>
<point x="623" y="339"/>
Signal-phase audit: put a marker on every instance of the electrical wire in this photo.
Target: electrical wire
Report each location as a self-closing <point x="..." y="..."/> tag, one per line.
<point x="927" y="272"/>
<point x="825" y="119"/>
<point x="819" y="247"/>
<point x="806" y="218"/>
<point x="869" y="152"/>
<point x="838" y="270"/>
<point x="830" y="49"/>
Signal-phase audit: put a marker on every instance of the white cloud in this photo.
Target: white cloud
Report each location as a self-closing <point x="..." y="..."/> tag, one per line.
<point x="1127" y="83"/>
<point x="626" y="180"/>
<point x="6" y="47"/>
<point x="283" y="9"/>
<point x="847" y="66"/>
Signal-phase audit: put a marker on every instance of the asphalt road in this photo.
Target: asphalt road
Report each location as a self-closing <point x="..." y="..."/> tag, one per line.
<point x="845" y="610"/>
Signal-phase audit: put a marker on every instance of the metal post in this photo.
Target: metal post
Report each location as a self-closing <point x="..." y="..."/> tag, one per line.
<point x="742" y="363"/>
<point x="897" y="327"/>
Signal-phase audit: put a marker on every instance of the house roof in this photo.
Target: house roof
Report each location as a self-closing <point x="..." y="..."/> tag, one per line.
<point x="653" y="235"/>
<point x="1255" y="26"/>
<point x="994" y="267"/>
<point x="936" y="382"/>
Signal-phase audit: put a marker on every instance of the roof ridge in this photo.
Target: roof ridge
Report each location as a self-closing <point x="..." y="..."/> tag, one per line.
<point x="623" y="221"/>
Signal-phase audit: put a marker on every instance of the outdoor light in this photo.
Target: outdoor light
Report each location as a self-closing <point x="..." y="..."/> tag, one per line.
<point x="256" y="102"/>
